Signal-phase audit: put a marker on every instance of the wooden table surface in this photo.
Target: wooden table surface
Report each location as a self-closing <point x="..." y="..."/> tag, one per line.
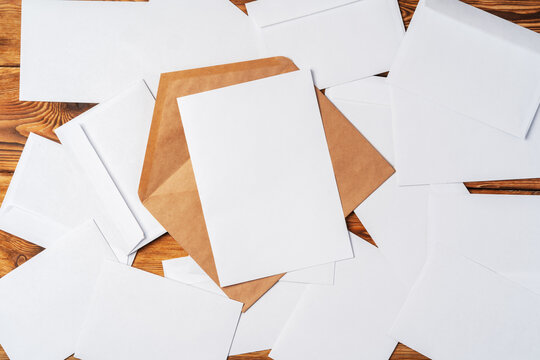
<point x="18" y="119"/>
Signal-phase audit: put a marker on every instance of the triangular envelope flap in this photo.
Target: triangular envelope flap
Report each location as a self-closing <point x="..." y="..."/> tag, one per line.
<point x="30" y="226"/>
<point x="185" y="270"/>
<point x="353" y="157"/>
<point x="270" y="12"/>
<point x="372" y="90"/>
<point x="483" y="21"/>
<point x="32" y="141"/>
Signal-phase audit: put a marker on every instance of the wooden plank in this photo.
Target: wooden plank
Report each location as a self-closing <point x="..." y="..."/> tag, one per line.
<point x="10" y="32"/>
<point x="523" y="12"/>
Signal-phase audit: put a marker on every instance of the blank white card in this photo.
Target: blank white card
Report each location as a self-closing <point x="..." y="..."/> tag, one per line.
<point x="261" y="161"/>
<point x="45" y="300"/>
<point x="138" y="316"/>
<point x="472" y="62"/>
<point x="459" y="309"/>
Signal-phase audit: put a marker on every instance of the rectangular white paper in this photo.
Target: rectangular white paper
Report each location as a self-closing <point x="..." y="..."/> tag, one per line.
<point x="461" y="310"/>
<point x="339" y="40"/>
<point x="437" y="145"/>
<point x="350" y="319"/>
<point x="472" y="62"/>
<point x="253" y="147"/>
<point x="395" y="216"/>
<point x="258" y="327"/>
<point x="173" y="320"/>
<point x="498" y="231"/>
<point x="47" y="198"/>
<point x="45" y="300"/>
<point x="108" y="144"/>
<point x="88" y="51"/>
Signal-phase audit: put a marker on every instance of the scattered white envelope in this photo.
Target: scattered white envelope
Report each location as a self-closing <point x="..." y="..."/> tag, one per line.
<point x="339" y="40"/>
<point x="472" y="62"/>
<point x="395" y="216"/>
<point x="437" y="145"/>
<point x="111" y="44"/>
<point x="173" y="320"/>
<point x="253" y="147"/>
<point x="461" y="310"/>
<point x="45" y="300"/>
<point x="349" y="320"/>
<point x="260" y="326"/>
<point x="47" y="197"/>
<point x="108" y="144"/>
<point x="498" y="231"/>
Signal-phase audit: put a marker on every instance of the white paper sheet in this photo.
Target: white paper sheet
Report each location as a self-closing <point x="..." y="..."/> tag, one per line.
<point x="173" y="320"/>
<point x="349" y="320"/>
<point x="45" y="300"/>
<point x="87" y="51"/>
<point x="339" y="40"/>
<point x="395" y="216"/>
<point x="260" y="326"/>
<point x="472" y="62"/>
<point x="255" y="146"/>
<point x="108" y="144"/>
<point x="47" y="197"/>
<point x="461" y="310"/>
<point x="498" y="231"/>
<point x="437" y="145"/>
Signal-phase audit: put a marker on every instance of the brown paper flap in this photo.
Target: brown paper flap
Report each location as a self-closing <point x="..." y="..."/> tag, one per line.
<point x="168" y="189"/>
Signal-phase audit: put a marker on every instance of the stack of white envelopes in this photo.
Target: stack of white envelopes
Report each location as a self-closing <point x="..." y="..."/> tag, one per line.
<point x="454" y="275"/>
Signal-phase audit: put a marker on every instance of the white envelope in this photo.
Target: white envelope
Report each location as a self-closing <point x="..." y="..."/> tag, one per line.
<point x="437" y="145"/>
<point x="339" y="40"/>
<point x="253" y="147"/>
<point x="186" y="270"/>
<point x="47" y="198"/>
<point x="349" y="320"/>
<point x="459" y="309"/>
<point x="88" y="51"/>
<point x="173" y="320"/>
<point x="497" y="231"/>
<point x="395" y="216"/>
<point x="108" y="144"/>
<point x="45" y="300"/>
<point x="258" y="327"/>
<point x="472" y="62"/>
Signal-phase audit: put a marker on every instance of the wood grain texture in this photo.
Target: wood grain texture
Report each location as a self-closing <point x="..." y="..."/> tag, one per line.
<point x="10" y="32"/>
<point x="18" y="119"/>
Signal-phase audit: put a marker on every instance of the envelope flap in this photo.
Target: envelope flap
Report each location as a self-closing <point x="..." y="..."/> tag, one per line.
<point x="372" y="90"/>
<point x="270" y="12"/>
<point x="32" y="227"/>
<point x="484" y="21"/>
<point x="185" y="270"/>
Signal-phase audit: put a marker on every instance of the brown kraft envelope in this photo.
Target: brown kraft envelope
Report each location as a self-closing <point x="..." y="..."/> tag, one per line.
<point x="168" y="189"/>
